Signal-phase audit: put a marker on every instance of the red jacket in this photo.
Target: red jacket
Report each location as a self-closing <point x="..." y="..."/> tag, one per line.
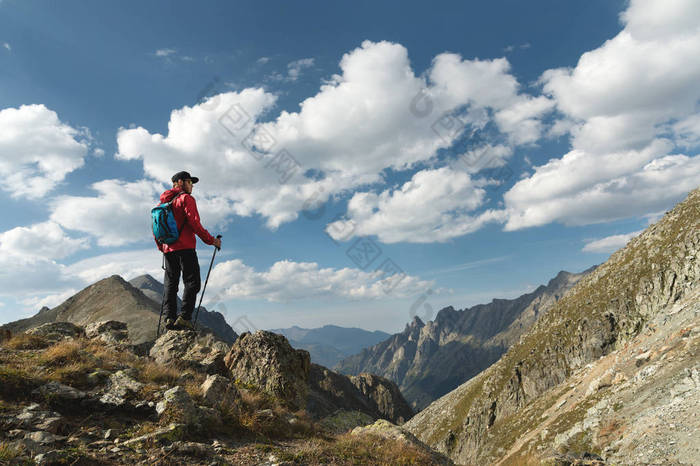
<point x="187" y="219"/>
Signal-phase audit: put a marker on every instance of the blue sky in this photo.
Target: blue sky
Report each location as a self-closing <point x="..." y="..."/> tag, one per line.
<point x="423" y="156"/>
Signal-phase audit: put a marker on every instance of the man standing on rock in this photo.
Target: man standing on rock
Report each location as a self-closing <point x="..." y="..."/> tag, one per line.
<point x="181" y="255"/>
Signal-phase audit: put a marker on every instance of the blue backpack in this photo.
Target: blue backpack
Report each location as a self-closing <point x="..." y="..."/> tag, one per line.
<point x="164" y="225"/>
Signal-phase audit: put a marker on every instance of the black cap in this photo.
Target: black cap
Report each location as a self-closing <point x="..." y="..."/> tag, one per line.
<point x="184" y="176"/>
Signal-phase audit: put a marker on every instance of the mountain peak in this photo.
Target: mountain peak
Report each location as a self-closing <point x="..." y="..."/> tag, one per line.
<point x="416" y="323"/>
<point x="146" y="281"/>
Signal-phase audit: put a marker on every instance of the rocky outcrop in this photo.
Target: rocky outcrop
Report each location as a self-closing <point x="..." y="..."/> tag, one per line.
<point x="383" y="428"/>
<point x="607" y="311"/>
<point x="110" y="331"/>
<point x="379" y="399"/>
<point x="185" y="349"/>
<point x="385" y="396"/>
<point x="427" y="360"/>
<point x="57" y="331"/>
<point x="267" y="361"/>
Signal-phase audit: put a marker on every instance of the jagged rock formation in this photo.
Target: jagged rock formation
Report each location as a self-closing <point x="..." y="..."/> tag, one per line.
<point x="204" y="353"/>
<point x="330" y="344"/>
<point x="115" y="299"/>
<point x="267" y="361"/>
<point x="428" y="360"/>
<point x="385" y="395"/>
<point x="372" y="395"/>
<point x="153" y="289"/>
<point x="74" y="395"/>
<point x="608" y="312"/>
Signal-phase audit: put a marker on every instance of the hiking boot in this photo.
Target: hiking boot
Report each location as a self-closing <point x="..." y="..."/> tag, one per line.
<point x="169" y="323"/>
<point x="184" y="324"/>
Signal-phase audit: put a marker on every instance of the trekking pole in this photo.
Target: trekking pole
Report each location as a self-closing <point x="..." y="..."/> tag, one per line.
<point x="194" y="322"/>
<point x="162" y="299"/>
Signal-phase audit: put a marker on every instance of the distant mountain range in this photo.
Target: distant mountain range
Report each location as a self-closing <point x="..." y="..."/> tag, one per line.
<point x="427" y="360"/>
<point x="137" y="303"/>
<point x="329" y="344"/>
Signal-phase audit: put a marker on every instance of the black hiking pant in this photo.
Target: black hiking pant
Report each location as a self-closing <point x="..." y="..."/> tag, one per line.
<point x="185" y="261"/>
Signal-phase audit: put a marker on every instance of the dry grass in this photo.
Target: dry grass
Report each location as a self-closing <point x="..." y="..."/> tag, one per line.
<point x="74" y="374"/>
<point x="8" y="454"/>
<point x="24" y="341"/>
<point x="525" y="459"/>
<point x="63" y="353"/>
<point x="158" y="374"/>
<point x="356" y="449"/>
<point x="15" y="383"/>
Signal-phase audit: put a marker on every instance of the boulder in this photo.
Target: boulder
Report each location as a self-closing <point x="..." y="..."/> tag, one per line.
<point x="218" y="390"/>
<point x="177" y="406"/>
<point x="59" y="394"/>
<point x="267" y="360"/>
<point x="109" y="331"/>
<point x="121" y="384"/>
<point x="120" y="388"/>
<point x="187" y="350"/>
<point x="34" y="418"/>
<point x="43" y="437"/>
<point x="171" y="346"/>
<point x="57" y="331"/>
<point x="52" y="457"/>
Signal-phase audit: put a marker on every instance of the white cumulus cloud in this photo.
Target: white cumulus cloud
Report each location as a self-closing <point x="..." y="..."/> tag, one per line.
<point x="37" y="150"/>
<point x="610" y="243"/>
<point x="629" y="106"/>
<point x="42" y="240"/>
<point x="435" y="205"/>
<point x="118" y="215"/>
<point x="361" y="122"/>
<point x="289" y="281"/>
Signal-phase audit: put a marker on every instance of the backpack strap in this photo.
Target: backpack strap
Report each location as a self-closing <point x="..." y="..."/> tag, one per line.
<point x="170" y="204"/>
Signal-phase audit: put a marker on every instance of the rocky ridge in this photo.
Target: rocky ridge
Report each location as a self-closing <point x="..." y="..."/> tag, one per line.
<point x="70" y="394"/>
<point x="494" y="416"/>
<point x="267" y="360"/>
<point x="427" y="360"/>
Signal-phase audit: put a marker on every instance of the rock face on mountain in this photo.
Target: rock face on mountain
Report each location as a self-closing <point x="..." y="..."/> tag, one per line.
<point x="267" y="361"/>
<point x="429" y="360"/>
<point x="115" y="299"/>
<point x="620" y="348"/>
<point x="367" y="393"/>
<point x="216" y="322"/>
